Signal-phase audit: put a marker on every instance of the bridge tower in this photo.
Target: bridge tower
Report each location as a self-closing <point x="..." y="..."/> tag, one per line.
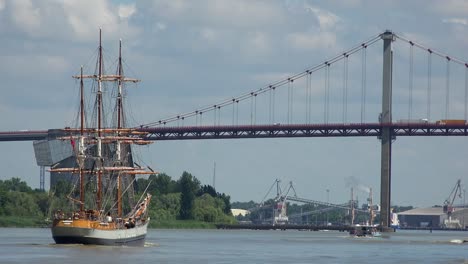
<point x="386" y="135"/>
<point x="42" y="178"/>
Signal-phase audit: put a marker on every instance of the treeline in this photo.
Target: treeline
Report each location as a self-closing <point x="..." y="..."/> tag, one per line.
<point x="185" y="199"/>
<point x="20" y="205"/>
<point x="173" y="200"/>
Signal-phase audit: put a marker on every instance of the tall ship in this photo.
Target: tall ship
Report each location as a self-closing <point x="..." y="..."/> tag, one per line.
<point x="102" y="207"/>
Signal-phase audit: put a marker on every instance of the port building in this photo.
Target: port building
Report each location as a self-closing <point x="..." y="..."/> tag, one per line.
<point x="434" y="217"/>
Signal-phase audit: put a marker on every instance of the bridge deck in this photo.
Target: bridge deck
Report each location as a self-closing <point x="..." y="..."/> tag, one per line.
<point x="267" y="131"/>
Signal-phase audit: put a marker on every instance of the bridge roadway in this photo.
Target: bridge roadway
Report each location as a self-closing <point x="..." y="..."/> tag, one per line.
<point x="266" y="131"/>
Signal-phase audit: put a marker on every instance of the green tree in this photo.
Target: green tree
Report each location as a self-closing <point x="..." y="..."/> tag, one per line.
<point x="207" y="189"/>
<point x="164" y="183"/>
<point x="15" y="184"/>
<point x="227" y="203"/>
<point x="189" y="185"/>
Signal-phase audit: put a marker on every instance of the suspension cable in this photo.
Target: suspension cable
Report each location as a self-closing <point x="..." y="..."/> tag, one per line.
<point x="292" y="102"/>
<point x="325" y="95"/>
<point x="429" y="79"/>
<point x="233" y="110"/>
<point x="310" y="98"/>
<point x="410" y="78"/>
<point x="255" y="109"/>
<point x="273" y="107"/>
<point x="269" y="106"/>
<point x="345" y="88"/>
<point x="274" y="85"/>
<point x="289" y="103"/>
<point x="251" y="110"/>
<point x="307" y="87"/>
<point x="447" y="89"/>
<point x="363" y="87"/>
<point x="466" y="90"/>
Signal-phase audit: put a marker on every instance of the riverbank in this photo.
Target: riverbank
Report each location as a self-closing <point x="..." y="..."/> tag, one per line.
<point x="24" y="222"/>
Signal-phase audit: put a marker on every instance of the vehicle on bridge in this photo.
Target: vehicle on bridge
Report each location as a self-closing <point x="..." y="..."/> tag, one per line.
<point x="451" y="122"/>
<point x="413" y="121"/>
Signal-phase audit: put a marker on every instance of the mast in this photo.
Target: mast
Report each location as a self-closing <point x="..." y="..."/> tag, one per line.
<point x="119" y="96"/>
<point x="119" y="196"/>
<point x="99" y="106"/>
<point x="119" y="126"/>
<point x="352" y="206"/>
<point x="80" y="144"/>
<point x="371" y="208"/>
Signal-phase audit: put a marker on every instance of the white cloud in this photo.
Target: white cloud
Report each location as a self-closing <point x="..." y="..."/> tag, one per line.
<point x="327" y="20"/>
<point x="85" y="20"/>
<point x="451" y="7"/>
<point x="459" y="21"/>
<point x="208" y="34"/>
<point x="25" y="15"/>
<point x="260" y="42"/>
<point x="221" y="13"/>
<point x="25" y="66"/>
<point x="311" y="40"/>
<point x="77" y="19"/>
<point x="161" y="26"/>
<point x="126" y="11"/>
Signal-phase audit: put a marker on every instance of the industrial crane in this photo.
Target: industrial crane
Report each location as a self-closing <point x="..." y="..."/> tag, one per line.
<point x="280" y="216"/>
<point x="448" y="205"/>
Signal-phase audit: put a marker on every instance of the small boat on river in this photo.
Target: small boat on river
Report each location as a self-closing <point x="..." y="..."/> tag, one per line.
<point x="365" y="231"/>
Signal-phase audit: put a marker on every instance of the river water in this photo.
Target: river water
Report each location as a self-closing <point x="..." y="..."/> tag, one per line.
<point x="24" y="245"/>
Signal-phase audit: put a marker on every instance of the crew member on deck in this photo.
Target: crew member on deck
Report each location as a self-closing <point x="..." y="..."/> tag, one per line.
<point x="109" y="218"/>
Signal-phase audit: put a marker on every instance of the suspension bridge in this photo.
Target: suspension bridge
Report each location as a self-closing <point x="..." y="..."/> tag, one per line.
<point x="327" y="101"/>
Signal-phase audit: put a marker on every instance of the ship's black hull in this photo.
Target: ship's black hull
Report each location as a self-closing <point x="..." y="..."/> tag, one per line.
<point x="135" y="241"/>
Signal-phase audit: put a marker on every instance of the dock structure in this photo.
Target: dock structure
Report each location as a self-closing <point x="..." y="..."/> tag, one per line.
<point x="284" y="227"/>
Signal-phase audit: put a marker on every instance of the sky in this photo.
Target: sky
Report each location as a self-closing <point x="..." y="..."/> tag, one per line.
<point x="190" y="54"/>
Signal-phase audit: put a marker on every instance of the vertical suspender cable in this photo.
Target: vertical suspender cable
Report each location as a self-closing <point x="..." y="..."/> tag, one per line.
<point x="273" y="106"/>
<point x="363" y="91"/>
<point x="466" y="90"/>
<point x="214" y="115"/>
<point x="255" y="109"/>
<point x="447" y="89"/>
<point x="328" y="91"/>
<point x="269" y="106"/>
<point x="310" y="98"/>
<point x="289" y="101"/>
<point x="292" y="102"/>
<point x="237" y="112"/>
<point x="325" y="94"/>
<point x="410" y="78"/>
<point x="307" y="97"/>
<point x="251" y="108"/>
<point x="429" y="79"/>
<point x="345" y="87"/>
<point x="233" y="110"/>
